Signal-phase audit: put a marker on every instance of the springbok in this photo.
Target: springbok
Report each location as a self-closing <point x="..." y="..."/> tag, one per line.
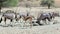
<point x="28" y="19"/>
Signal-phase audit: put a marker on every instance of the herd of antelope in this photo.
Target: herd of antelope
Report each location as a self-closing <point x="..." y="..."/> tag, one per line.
<point x="11" y="15"/>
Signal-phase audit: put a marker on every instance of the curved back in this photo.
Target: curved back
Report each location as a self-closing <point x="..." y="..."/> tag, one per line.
<point x="9" y="11"/>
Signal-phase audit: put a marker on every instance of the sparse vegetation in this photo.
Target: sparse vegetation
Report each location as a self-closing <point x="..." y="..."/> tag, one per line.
<point x="48" y="3"/>
<point x="1" y="3"/>
<point x="8" y="3"/>
<point x="11" y="3"/>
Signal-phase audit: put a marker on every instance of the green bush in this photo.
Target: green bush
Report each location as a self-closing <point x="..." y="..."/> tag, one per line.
<point x="10" y="3"/>
<point x="48" y="3"/>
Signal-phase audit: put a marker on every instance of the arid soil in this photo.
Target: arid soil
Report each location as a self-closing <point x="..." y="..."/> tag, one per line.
<point x="45" y="29"/>
<point x="48" y="29"/>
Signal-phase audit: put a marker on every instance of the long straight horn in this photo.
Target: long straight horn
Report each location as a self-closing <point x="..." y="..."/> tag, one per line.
<point x="27" y="14"/>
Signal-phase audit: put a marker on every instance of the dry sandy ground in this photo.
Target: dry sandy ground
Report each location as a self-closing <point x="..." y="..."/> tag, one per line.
<point x="47" y="29"/>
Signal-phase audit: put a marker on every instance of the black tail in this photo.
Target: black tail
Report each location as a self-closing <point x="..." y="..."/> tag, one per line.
<point x="11" y="20"/>
<point x="0" y="20"/>
<point x="39" y="22"/>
